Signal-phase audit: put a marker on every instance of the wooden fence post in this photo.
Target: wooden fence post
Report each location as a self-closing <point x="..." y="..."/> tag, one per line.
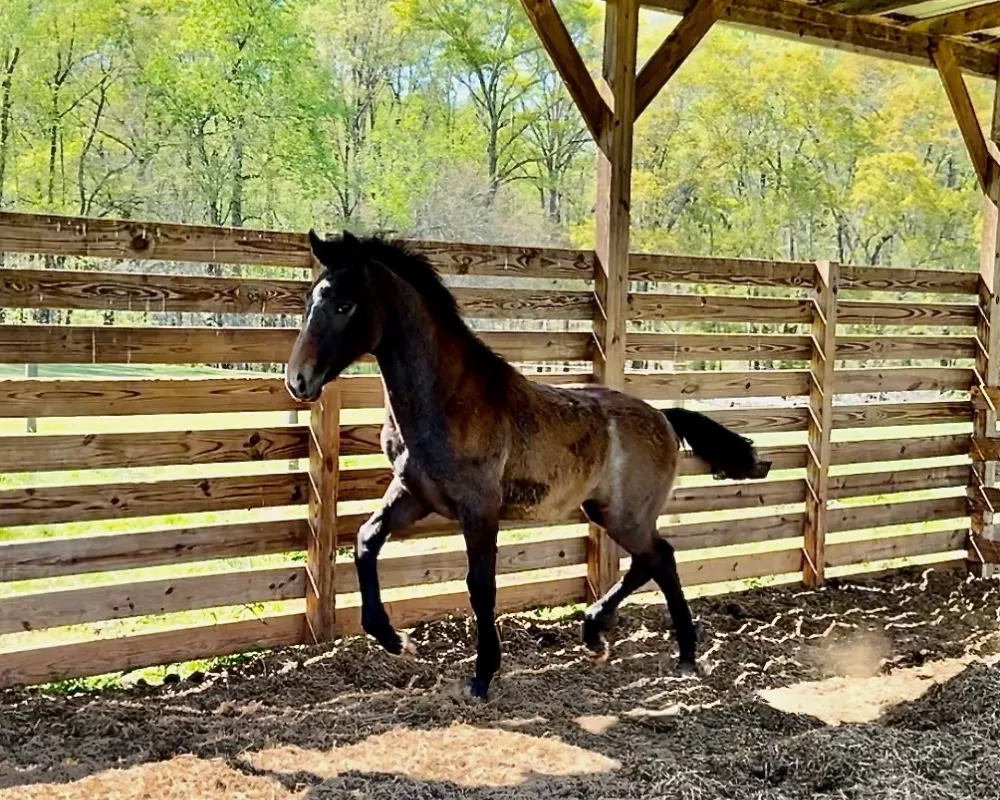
<point x="614" y="181"/>
<point x="324" y="477"/>
<point x="984" y="417"/>
<point x="821" y="388"/>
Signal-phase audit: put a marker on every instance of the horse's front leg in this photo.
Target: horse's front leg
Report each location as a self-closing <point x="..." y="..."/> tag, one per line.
<point x="399" y="509"/>
<point x="481" y="544"/>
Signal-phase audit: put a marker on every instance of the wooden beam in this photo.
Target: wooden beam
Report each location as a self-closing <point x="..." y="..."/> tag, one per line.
<point x="674" y="50"/>
<point x="957" y="23"/>
<point x="984" y="420"/>
<point x="614" y="188"/>
<point x="821" y="390"/>
<point x="875" y="37"/>
<point x="965" y="113"/>
<point x="863" y="7"/>
<point x="557" y="42"/>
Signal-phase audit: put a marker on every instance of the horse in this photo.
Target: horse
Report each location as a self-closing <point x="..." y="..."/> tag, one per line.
<point x="472" y="439"/>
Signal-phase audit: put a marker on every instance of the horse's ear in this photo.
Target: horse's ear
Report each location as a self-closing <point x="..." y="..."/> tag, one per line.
<point x="317" y="244"/>
<point x="350" y="240"/>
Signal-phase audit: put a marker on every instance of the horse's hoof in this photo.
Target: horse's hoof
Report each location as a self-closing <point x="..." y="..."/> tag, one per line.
<point x="690" y="668"/>
<point x="407" y="648"/>
<point x="599" y="650"/>
<point x="478" y="689"/>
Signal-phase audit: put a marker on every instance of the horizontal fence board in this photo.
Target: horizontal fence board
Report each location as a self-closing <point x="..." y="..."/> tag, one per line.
<point x="899" y="449"/>
<point x="40" y="453"/>
<point x="761" y="420"/>
<point x="504" y="303"/>
<point x="72" y="344"/>
<point x="717" y="383"/>
<point x="64" y="397"/>
<point x="749" y="494"/>
<point x="699" y="535"/>
<point x="98" y="656"/>
<point x="511" y="598"/>
<point x="899" y="480"/>
<point x="46" y="558"/>
<point x="363" y="484"/>
<point x="453" y="565"/>
<point x="897" y="513"/>
<point x="865" y="312"/>
<point x="905" y="347"/>
<point x="735" y="568"/>
<point x="130" y="291"/>
<point x="843" y="553"/>
<point x="897" y="279"/>
<point x="140" y="598"/>
<point x="730" y="271"/>
<point x="985" y="449"/>
<point x="903" y="379"/>
<point x="717" y="308"/>
<point x="879" y="415"/>
<point x="49" y="505"/>
<point x="360" y="440"/>
<point x="128" y="240"/>
<point x="718" y="346"/>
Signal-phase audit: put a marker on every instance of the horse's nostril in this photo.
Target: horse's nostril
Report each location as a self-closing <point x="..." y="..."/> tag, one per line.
<point x="300" y="383"/>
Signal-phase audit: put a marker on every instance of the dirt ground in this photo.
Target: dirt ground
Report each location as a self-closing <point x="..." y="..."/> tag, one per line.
<point x="882" y="689"/>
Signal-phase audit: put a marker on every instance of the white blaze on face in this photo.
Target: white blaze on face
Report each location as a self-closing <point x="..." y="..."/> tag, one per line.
<point x="317" y="297"/>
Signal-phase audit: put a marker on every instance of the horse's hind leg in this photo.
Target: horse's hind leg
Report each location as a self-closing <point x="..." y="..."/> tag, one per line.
<point x="664" y="569"/>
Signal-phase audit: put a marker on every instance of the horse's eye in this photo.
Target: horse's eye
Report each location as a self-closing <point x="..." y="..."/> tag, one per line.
<point x="343" y="307"/>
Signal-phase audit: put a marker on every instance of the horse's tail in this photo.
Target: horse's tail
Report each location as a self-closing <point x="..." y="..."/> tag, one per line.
<point x="727" y="454"/>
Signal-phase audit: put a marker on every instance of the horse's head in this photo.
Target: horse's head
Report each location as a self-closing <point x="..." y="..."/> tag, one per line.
<point x="343" y="319"/>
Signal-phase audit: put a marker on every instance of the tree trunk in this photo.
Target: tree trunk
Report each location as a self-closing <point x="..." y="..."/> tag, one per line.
<point x="6" y="101"/>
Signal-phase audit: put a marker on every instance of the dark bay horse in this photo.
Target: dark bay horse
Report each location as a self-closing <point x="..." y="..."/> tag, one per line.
<point x="473" y="440"/>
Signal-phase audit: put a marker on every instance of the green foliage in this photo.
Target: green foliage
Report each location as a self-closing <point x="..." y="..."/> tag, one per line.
<point x="445" y="119"/>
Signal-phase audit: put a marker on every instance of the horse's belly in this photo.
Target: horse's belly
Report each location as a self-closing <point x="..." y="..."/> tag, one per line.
<point x="534" y="501"/>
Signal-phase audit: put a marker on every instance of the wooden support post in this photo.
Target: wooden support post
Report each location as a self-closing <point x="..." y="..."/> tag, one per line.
<point x="821" y="388"/>
<point x="984" y="419"/>
<point x="321" y="549"/>
<point x="614" y="182"/>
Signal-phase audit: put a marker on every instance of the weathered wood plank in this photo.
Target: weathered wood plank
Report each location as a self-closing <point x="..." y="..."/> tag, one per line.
<point x="905" y="347"/>
<point x="325" y="489"/>
<point x="504" y="303"/>
<point x="128" y="240"/>
<point x="62" y="397"/>
<point x="895" y="547"/>
<point x="453" y="565"/>
<point x="699" y="535"/>
<point x="897" y="279"/>
<point x="867" y="312"/>
<point x="904" y="379"/>
<point x="66" y="661"/>
<point x="735" y="568"/>
<point x="49" y="505"/>
<point x="884" y="415"/>
<point x="22" y="560"/>
<point x="898" y="480"/>
<point x="895" y="513"/>
<point x="37" y="611"/>
<point x="713" y="384"/>
<point x="360" y="440"/>
<point x="690" y="499"/>
<point x="943" y="56"/>
<point x="869" y="451"/>
<point x="661" y="268"/>
<point x="957" y="23"/>
<point x="717" y="308"/>
<point x="65" y="344"/>
<point x="761" y="420"/>
<point x="131" y="291"/>
<point x="717" y="346"/>
<point x="35" y="453"/>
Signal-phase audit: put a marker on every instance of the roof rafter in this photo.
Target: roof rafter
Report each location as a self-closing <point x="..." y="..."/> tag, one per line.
<point x="860" y="35"/>
<point x="956" y="23"/>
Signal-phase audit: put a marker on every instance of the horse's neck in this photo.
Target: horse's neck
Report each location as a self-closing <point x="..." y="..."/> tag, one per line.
<point x="421" y="363"/>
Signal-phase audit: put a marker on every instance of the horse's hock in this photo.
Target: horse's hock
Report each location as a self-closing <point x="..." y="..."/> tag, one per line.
<point x="167" y="510"/>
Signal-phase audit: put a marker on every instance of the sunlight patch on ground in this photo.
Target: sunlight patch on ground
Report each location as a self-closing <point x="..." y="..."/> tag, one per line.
<point x="181" y="778"/>
<point x="864" y="698"/>
<point x="459" y="754"/>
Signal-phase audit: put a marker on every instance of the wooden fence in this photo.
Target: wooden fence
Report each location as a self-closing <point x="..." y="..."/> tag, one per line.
<point x="121" y="515"/>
